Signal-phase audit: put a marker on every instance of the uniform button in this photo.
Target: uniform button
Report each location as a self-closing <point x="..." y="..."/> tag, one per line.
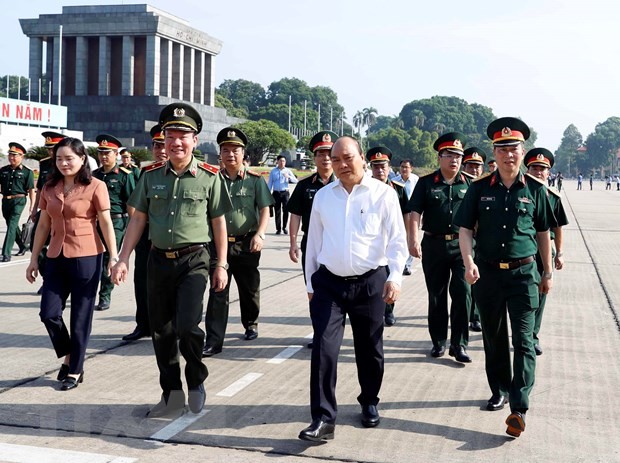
<point x="172" y="213"/>
<point x="156" y="196"/>
<point x="450" y="212"/>
<point x="506" y="209"/>
<point x="174" y="197"/>
<point x="504" y="226"/>
<point x="169" y="231"/>
<point x="503" y="245"/>
<point x="488" y="208"/>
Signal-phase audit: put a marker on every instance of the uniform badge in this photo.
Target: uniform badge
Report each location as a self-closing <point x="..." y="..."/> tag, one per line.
<point x="104" y="142"/>
<point x="327" y="138"/>
<point x="48" y="139"/>
<point x="487" y="198"/>
<point x="525" y="200"/>
<point x="178" y="112"/>
<point x="476" y="156"/>
<point x="231" y="134"/>
<point x="458" y="144"/>
<point x="506" y="132"/>
<point x="540" y="157"/>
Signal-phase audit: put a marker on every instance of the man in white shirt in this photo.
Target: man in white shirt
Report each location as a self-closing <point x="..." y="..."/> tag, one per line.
<point x="408" y="179"/>
<point x="356" y="232"/>
<point x="279" y="179"/>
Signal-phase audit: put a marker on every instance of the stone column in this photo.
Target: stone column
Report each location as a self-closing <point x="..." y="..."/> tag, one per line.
<point x="104" y="66"/>
<point x="35" y="68"/>
<point x="153" y="45"/>
<point x="81" y="66"/>
<point x="178" y="55"/>
<point x="127" y="66"/>
<point x="188" y="74"/>
<point x="57" y="70"/>
<point x="165" y="83"/>
<point x="209" y="79"/>
<point x="200" y="89"/>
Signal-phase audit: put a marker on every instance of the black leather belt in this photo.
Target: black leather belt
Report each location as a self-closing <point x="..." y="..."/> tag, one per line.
<point x="14" y="196"/>
<point x="510" y="265"/>
<point x="448" y="237"/>
<point x="118" y="216"/>
<point x="237" y="238"/>
<point x="176" y="253"/>
<point x="352" y="277"/>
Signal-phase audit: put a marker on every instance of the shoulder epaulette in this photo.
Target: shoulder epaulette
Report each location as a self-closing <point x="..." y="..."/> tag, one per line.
<point x="26" y="167"/>
<point x="154" y="166"/>
<point x="127" y="171"/>
<point x="402" y="185"/>
<point x="483" y="176"/>
<point x="208" y="167"/>
<point x="255" y="174"/>
<point x="554" y="191"/>
<point x="45" y="159"/>
<point x="468" y="175"/>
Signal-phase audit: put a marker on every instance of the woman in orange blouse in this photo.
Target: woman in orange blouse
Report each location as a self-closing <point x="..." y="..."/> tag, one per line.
<point x="71" y="203"/>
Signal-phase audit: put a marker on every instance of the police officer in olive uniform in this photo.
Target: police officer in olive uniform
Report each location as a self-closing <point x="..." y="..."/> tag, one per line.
<point x="128" y="164"/>
<point x="120" y="183"/>
<point x="436" y="200"/>
<point x="473" y="164"/>
<point x="379" y="159"/>
<point x="16" y="182"/>
<point x="246" y="225"/>
<point x="143" y="247"/>
<point x="512" y="217"/>
<point x="184" y="201"/>
<point x="539" y="162"/>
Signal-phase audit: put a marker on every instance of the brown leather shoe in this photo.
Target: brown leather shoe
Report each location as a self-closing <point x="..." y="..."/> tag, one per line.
<point x="516" y="424"/>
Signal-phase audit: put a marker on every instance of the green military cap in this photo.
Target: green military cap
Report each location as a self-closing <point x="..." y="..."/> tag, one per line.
<point x="51" y="138"/>
<point x="157" y="134"/>
<point x="539" y="157"/>
<point x="323" y="140"/>
<point x="180" y="116"/>
<point x="107" y="142"/>
<point x="379" y="154"/>
<point x="451" y="141"/>
<point x="474" y="155"/>
<point x="508" y="131"/>
<point x="232" y="136"/>
<point x="16" y="148"/>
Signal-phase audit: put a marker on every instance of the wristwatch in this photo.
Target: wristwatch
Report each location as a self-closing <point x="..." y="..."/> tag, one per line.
<point x="548" y="275"/>
<point x="224" y="266"/>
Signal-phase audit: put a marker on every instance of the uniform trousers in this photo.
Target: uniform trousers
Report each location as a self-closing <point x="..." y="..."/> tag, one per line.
<point x="243" y="267"/>
<point x="444" y="271"/>
<point x="503" y="294"/>
<point x="281" y="212"/>
<point x="12" y="211"/>
<point x="120" y="225"/>
<point x="176" y="290"/>
<point x="542" y="298"/>
<point x="77" y="277"/>
<point x="143" y="248"/>
<point x="334" y="298"/>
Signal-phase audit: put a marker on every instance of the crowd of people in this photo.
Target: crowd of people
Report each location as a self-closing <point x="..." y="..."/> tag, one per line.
<point x="488" y="243"/>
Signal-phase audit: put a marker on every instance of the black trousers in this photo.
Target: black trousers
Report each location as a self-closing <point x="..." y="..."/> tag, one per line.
<point x="143" y="247"/>
<point x="243" y="267"/>
<point x="334" y="298"/>
<point x="77" y="277"/>
<point x="176" y="290"/>
<point x="281" y="213"/>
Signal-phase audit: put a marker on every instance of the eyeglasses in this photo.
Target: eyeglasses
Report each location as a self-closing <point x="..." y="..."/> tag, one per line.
<point x="450" y="156"/>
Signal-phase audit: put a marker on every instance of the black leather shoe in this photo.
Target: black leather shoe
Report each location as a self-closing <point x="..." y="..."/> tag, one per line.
<point x="390" y="319"/>
<point x="438" y="351"/>
<point x="103" y="305"/>
<point x="171" y="405"/>
<point x="137" y="334"/>
<point x="196" y="399"/>
<point x="475" y="326"/>
<point x="370" y="416"/>
<point x="538" y="349"/>
<point x="210" y="351"/>
<point x="309" y="345"/>
<point x="70" y="382"/>
<point x="318" y="431"/>
<point x="459" y="353"/>
<point x="516" y="424"/>
<point x="6" y="258"/>
<point x="278" y="232"/>
<point x="64" y="371"/>
<point x="406" y="271"/>
<point x="21" y="252"/>
<point x="496" y="402"/>
<point x="285" y="231"/>
<point x="250" y="334"/>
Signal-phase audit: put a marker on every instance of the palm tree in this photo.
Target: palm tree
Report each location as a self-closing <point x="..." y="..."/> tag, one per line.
<point x="358" y="122"/>
<point x="369" y="116"/>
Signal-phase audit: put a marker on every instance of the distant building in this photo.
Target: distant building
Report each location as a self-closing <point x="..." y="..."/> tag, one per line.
<point x="120" y="65"/>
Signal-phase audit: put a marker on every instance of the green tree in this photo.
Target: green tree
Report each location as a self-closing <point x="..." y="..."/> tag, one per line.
<point x="37" y="152"/>
<point x="265" y="137"/>
<point x="603" y="145"/>
<point x="223" y="102"/>
<point x="18" y="86"/>
<point x="244" y="94"/>
<point x="279" y="91"/>
<point x="566" y="154"/>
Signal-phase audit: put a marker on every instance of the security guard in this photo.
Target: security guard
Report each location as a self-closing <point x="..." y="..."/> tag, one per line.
<point x="473" y="164"/>
<point x="128" y="164"/>
<point x="512" y="217"/>
<point x="184" y="201"/>
<point x="120" y="183"/>
<point x="246" y="225"/>
<point x="436" y="199"/>
<point x="379" y="158"/>
<point x="143" y="248"/>
<point x="539" y="162"/>
<point x="16" y="182"/>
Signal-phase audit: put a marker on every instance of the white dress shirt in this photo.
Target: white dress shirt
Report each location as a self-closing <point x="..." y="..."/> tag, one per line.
<point x="354" y="233"/>
<point x="409" y="183"/>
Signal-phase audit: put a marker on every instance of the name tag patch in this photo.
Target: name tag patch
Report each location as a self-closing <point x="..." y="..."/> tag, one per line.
<point x="487" y="198"/>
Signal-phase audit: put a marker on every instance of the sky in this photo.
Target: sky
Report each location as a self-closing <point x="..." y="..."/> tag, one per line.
<point x="551" y="63"/>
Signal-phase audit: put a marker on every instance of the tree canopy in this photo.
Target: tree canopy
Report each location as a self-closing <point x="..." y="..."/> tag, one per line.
<point x="603" y="145"/>
<point x="567" y="158"/>
<point x="265" y="137"/>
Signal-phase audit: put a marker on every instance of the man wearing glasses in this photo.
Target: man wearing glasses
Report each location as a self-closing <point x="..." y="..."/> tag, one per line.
<point x="437" y="198"/>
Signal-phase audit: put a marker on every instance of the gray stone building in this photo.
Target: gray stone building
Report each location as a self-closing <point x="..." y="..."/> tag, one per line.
<point x="120" y="65"/>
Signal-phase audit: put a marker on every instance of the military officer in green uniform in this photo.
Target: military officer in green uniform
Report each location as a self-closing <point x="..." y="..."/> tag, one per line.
<point x="184" y="201"/>
<point x="120" y="183"/>
<point x="473" y="164"/>
<point x="511" y="214"/>
<point x="128" y="164"/>
<point x="379" y="159"/>
<point x="435" y="201"/>
<point x="246" y="225"/>
<point x="143" y="248"/>
<point x="539" y="162"/>
<point x="16" y="183"/>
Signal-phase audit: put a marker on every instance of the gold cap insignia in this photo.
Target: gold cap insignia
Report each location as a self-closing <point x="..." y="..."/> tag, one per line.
<point x="327" y="138"/>
<point x="540" y="157"/>
<point x="104" y="142"/>
<point x="475" y="155"/>
<point x="48" y="139"/>
<point x="506" y="132"/>
<point x="231" y="134"/>
<point x="458" y="144"/>
<point x="179" y="112"/>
